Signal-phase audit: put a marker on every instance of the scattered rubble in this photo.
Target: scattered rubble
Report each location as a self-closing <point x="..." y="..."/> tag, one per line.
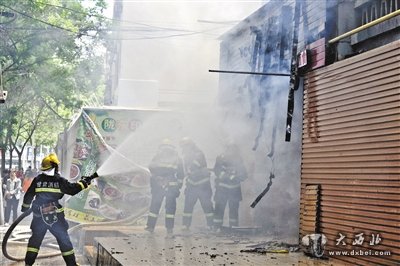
<point x="272" y="247"/>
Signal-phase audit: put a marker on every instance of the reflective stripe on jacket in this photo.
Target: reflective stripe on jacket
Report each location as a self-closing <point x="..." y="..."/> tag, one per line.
<point x="47" y="189"/>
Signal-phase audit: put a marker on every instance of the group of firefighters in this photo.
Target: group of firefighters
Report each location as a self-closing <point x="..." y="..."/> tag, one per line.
<point x="169" y="170"/>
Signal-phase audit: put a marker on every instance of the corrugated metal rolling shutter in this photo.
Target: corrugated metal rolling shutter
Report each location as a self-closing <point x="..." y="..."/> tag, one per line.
<point x="310" y="210"/>
<point x="351" y="148"/>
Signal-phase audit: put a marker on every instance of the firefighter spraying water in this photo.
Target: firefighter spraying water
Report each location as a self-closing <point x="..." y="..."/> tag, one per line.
<point x="42" y="198"/>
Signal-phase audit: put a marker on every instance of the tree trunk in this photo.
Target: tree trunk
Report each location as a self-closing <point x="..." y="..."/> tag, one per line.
<point x="34" y="157"/>
<point x="2" y="153"/>
<point x="3" y="159"/>
<point x="11" y="155"/>
<point x="19" y="159"/>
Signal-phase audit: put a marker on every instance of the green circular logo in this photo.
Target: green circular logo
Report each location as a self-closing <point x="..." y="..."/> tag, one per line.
<point x="109" y="125"/>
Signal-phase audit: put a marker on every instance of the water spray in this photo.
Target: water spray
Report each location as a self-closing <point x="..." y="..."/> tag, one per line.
<point x="129" y="161"/>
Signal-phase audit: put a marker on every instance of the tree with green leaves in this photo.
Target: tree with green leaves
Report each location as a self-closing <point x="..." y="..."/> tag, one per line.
<point x="51" y="64"/>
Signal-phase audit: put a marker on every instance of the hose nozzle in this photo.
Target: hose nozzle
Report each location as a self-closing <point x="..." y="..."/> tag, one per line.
<point x="90" y="178"/>
<point x="94" y="175"/>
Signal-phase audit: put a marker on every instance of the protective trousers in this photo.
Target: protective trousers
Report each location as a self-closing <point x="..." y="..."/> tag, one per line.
<point x="60" y="232"/>
<point x="155" y="206"/>
<point x="203" y="193"/>
<point x="222" y="197"/>
<point x="12" y="205"/>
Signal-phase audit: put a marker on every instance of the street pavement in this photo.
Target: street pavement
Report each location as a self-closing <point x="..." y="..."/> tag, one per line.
<point x="139" y="247"/>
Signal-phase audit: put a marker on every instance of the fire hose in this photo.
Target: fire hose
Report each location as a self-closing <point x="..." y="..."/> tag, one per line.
<point x="8" y="233"/>
<point x="126" y="221"/>
<point x="87" y="179"/>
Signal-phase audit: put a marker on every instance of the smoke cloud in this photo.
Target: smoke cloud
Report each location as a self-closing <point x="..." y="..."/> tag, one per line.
<point x="175" y="44"/>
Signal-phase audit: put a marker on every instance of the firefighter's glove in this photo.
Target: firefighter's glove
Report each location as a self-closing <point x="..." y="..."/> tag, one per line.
<point x="85" y="181"/>
<point x="24" y="209"/>
<point x="225" y="176"/>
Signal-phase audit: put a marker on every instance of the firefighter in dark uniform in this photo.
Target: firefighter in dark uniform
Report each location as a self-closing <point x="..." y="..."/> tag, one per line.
<point x="230" y="171"/>
<point x="166" y="180"/>
<point x="198" y="186"/>
<point x="45" y="191"/>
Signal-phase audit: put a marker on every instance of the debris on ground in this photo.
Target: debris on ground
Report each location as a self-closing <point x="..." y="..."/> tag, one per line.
<point x="271" y="247"/>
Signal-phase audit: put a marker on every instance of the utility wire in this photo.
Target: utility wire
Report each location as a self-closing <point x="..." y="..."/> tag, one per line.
<point x="45" y="22"/>
<point x="74" y="10"/>
<point x="128" y="31"/>
<point x="188" y="32"/>
<point x="155" y="37"/>
<point x="165" y="36"/>
<point x="112" y="19"/>
<point x="42" y="21"/>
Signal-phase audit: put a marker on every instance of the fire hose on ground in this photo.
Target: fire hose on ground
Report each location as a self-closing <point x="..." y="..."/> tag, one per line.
<point x="126" y="221"/>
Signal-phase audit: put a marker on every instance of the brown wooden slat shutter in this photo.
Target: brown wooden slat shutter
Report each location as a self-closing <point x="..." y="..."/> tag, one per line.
<point x="351" y="148"/>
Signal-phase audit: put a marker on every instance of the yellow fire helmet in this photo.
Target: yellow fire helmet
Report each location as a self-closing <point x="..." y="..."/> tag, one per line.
<point x="166" y="143"/>
<point x="49" y="161"/>
<point x="186" y="141"/>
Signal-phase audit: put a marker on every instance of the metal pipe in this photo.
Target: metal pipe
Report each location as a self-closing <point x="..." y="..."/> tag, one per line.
<point x="365" y="26"/>
<point x="249" y="72"/>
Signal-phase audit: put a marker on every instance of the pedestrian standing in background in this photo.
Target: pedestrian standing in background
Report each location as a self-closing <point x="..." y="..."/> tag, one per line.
<point x="29" y="175"/>
<point x="12" y="195"/>
<point x="198" y="186"/>
<point x="230" y="171"/>
<point x="28" y="172"/>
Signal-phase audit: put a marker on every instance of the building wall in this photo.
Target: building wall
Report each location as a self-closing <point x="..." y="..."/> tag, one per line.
<point x="351" y="145"/>
<point x="113" y="59"/>
<point x="380" y="34"/>
<point x="254" y="108"/>
<point x="27" y="158"/>
<point x="312" y="22"/>
<point x="351" y="150"/>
